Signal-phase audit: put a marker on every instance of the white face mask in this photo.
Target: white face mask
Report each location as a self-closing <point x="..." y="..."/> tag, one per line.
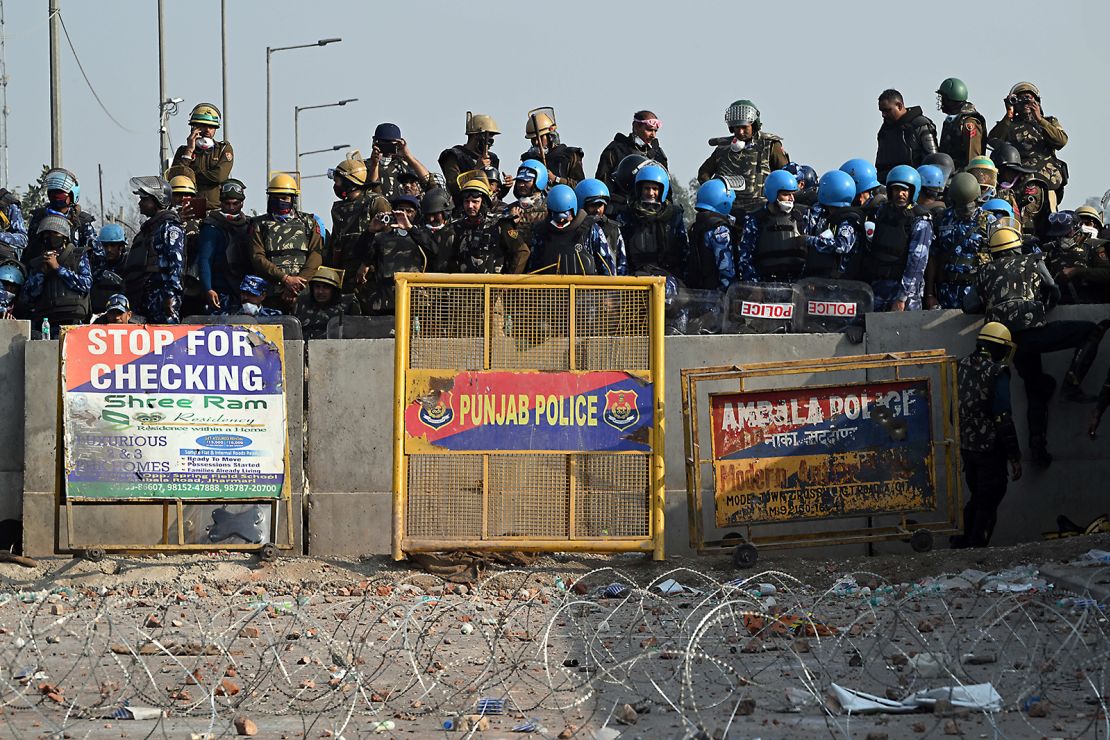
<point x="639" y="141"/>
<point x="737" y="145"/>
<point x="1089" y="230"/>
<point x="204" y="143"/>
<point x="786" y="206"/>
<point x="250" y="309"/>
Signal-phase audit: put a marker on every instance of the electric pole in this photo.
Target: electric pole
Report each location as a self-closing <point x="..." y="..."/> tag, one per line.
<point x="55" y="87"/>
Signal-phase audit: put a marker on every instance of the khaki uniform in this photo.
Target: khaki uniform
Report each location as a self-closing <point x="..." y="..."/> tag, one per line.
<point x="962" y="136"/>
<point x="1037" y="140"/>
<point x="210" y="169"/>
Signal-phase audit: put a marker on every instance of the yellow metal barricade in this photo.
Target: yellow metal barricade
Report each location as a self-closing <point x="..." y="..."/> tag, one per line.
<point x="810" y="442"/>
<point x="528" y="414"/>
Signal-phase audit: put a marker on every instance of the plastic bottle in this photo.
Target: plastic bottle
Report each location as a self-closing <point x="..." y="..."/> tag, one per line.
<point x="46" y="328"/>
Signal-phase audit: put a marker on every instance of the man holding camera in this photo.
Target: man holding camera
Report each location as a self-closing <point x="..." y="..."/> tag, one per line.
<point x="210" y="160"/>
<point x="1036" y="136"/>
<point x="391" y="159"/>
<point x="475" y="154"/>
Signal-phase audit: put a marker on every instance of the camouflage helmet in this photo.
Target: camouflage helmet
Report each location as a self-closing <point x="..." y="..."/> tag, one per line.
<point x="1026" y="87"/>
<point x="205" y="114"/>
<point x="1086" y="211"/>
<point x="963" y="189"/>
<point x="1003" y="239"/>
<point x="480" y="123"/>
<point x="741" y="112"/>
<point x="953" y="89"/>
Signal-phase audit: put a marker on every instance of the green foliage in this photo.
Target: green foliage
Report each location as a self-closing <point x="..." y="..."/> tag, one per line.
<point x="35" y="193"/>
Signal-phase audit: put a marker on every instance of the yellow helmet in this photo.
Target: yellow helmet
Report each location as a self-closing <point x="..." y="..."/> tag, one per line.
<point x="351" y="170"/>
<point x="205" y="114"/>
<point x="480" y="123"/>
<point x="328" y="276"/>
<point x="996" y="333"/>
<point x="1090" y="212"/>
<point x="1004" y="239"/>
<point x="540" y="122"/>
<point x="283" y="183"/>
<point x="183" y="185"/>
<point x="475" y="180"/>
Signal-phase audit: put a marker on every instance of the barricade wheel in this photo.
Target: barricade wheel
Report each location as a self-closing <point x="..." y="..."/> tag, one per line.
<point x="745" y="555"/>
<point x="269" y="553"/>
<point x="94" y="554"/>
<point x="921" y="540"/>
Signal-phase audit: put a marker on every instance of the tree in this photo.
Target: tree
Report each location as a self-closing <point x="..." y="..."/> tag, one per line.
<point x="683" y="197"/>
<point x="36" y="193"/>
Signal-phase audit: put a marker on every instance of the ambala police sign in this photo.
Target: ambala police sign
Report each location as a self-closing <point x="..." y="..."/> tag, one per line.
<point x="174" y="412"/>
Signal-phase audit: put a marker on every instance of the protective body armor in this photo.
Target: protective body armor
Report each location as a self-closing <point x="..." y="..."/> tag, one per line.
<point x="780" y="249"/>
<point x="954" y="133"/>
<point x="559" y="160"/>
<point x="393" y="251"/>
<point x="468" y="160"/>
<point x="886" y="257"/>
<point x="753" y="163"/>
<point x="106" y="283"/>
<point x="962" y="244"/>
<point x="900" y="143"/>
<point x="825" y="265"/>
<point x="532" y="215"/>
<point x="1036" y="151"/>
<point x="142" y="260"/>
<point x="977" y="378"/>
<point x="81" y="234"/>
<point x="57" y="300"/>
<point x="439" y="245"/>
<point x="287" y="242"/>
<point x="1010" y="286"/>
<point x="389" y="175"/>
<point x="566" y="249"/>
<point x="648" y="239"/>
<point x="350" y="224"/>
<point x="702" y="271"/>
<point x="479" y="248"/>
<point x="314" y="318"/>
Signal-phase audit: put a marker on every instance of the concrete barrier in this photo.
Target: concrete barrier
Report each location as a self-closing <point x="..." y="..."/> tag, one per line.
<point x="13" y="342"/>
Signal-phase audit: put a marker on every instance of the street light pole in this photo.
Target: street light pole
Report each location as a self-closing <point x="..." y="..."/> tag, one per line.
<point x="55" y="89"/>
<point x="270" y="50"/>
<point x="164" y="134"/>
<point x="297" y="126"/>
<point x="223" y="62"/>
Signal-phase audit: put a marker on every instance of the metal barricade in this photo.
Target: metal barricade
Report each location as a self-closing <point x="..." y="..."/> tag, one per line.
<point x="822" y="451"/>
<point x="528" y="414"/>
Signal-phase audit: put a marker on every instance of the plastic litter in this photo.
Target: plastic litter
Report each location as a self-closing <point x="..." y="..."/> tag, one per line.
<point x="532" y="725"/>
<point x="980" y="697"/>
<point x="488" y="706"/>
<point x="671" y="586"/>
<point x="1093" y="557"/>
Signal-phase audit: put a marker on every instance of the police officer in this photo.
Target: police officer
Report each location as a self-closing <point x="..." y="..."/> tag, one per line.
<point x="988" y="438"/>
<point x="1016" y="290"/>
<point x="183" y="191"/>
<point x="714" y="239"/>
<point x="866" y="178"/>
<point x="806" y="197"/>
<point x="1036" y="136"/>
<point x="107" y="262"/>
<point x="653" y="227"/>
<point x="750" y="155"/>
<point x="322" y="302"/>
<point x="13" y="228"/>
<point x="593" y="198"/>
<point x="960" y="247"/>
<point x="833" y="228"/>
<point x="1027" y="191"/>
<point x="571" y="241"/>
<point x="644" y="141"/>
<point x="933" y="184"/>
<point x="60" y="277"/>
<point x="563" y="163"/>
<point x="391" y="249"/>
<point x="436" y="235"/>
<point x="223" y="257"/>
<point x="772" y="246"/>
<point x="285" y="244"/>
<point x="155" y="267"/>
<point x="62" y="195"/>
<point x="486" y="241"/>
<point x="895" y="259"/>
<point x="475" y="154"/>
<point x="944" y="161"/>
<point x="12" y="277"/>
<point x="907" y="135"/>
<point x="986" y="174"/>
<point x="209" y="160"/>
<point x="962" y="133"/>
<point x="117" y="310"/>
<point x="1077" y="258"/>
<point x="391" y="159"/>
<point x="351" y="215"/>
<point x="530" y="189"/>
<point x="253" y="290"/>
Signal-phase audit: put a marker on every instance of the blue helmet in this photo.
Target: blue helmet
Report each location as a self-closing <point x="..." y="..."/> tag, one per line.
<point x="562" y="199"/>
<point x="654" y="173"/>
<point x="932" y="177"/>
<point x="714" y="195"/>
<point x="112" y="233"/>
<point x="905" y="175"/>
<point x="998" y="204"/>
<point x="11" y="273"/>
<point x="807" y="176"/>
<point x="536" y="169"/>
<point x="591" y="189"/>
<point x="778" y="181"/>
<point x="836" y="189"/>
<point x="863" y="172"/>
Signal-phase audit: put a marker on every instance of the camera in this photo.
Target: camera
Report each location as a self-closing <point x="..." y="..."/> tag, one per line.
<point x="1012" y="101"/>
<point x="385" y="218"/>
<point x="388" y="148"/>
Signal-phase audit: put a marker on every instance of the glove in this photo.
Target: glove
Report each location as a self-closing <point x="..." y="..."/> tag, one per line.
<point x="1053" y="296"/>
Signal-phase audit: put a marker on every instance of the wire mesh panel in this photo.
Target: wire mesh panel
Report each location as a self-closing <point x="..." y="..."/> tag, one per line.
<point x="528" y="413"/>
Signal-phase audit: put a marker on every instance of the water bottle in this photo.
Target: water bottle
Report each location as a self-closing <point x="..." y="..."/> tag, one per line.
<point x="46" y="328"/>
<point x="415" y="325"/>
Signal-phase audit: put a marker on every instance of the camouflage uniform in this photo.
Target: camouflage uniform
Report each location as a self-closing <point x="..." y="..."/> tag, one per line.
<point x="83" y="234"/>
<point x="13" y="227"/>
<point x="492" y="245"/>
<point x="961" y="135"/>
<point x="1037" y="140"/>
<point x="284" y="245"/>
<point x="760" y="157"/>
<point x="1032" y="201"/>
<point x="154" y="272"/>
<point x="314" y="317"/>
<point x="959" y="249"/>
<point x="832" y="233"/>
<point x="210" y="169"/>
<point x="390" y="252"/>
<point x="988" y="439"/>
<point x="350" y="230"/>
<point x="528" y="213"/>
<point x="61" y="295"/>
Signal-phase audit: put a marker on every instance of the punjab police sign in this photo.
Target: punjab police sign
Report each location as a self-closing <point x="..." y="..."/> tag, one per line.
<point x="813" y="453"/>
<point x="154" y="412"/>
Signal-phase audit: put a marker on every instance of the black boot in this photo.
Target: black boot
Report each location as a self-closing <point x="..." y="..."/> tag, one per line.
<point x="1038" y="451"/>
<point x="1081" y="362"/>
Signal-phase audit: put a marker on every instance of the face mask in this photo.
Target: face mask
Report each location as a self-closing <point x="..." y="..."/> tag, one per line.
<point x="786" y="206"/>
<point x="527" y="201"/>
<point x="385" y="161"/>
<point x="1089" y="230"/>
<point x="60" y="201"/>
<point x="250" y="309"/>
<point x="436" y="227"/>
<point x="737" y="145"/>
<point x="278" y="207"/>
<point x="339" y="190"/>
<point x="204" y="143"/>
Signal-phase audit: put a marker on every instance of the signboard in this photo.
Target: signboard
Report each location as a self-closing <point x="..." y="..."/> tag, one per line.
<point x="154" y="412"/>
<point x="528" y="410"/>
<point x="814" y="453"/>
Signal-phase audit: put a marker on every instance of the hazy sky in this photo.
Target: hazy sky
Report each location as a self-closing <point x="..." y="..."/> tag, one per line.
<point x="815" y="70"/>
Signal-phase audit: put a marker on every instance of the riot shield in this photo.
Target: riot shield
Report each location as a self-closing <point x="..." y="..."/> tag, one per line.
<point x="759" y="308"/>
<point x="828" y="306"/>
<point x="695" y="312"/>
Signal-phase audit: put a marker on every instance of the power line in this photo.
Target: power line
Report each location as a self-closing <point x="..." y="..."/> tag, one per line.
<point x="87" y="80"/>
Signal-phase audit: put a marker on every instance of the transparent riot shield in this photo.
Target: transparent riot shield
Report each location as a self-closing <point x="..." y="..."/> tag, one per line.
<point x="759" y="308"/>
<point x="828" y="306"/>
<point x="695" y="312"/>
